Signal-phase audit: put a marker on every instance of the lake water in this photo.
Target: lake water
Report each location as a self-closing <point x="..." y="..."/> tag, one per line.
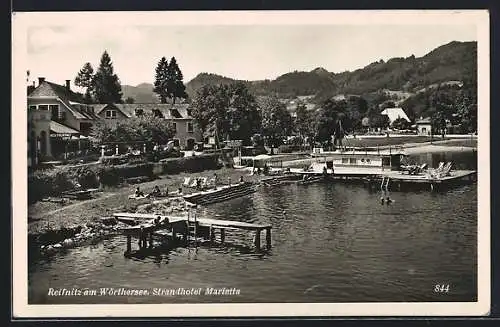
<point x="335" y="243"/>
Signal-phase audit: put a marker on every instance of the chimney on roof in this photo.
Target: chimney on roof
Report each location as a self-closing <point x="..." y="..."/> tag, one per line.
<point x="68" y="87"/>
<point x="41" y="80"/>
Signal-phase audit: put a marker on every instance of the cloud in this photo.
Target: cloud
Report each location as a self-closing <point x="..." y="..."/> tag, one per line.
<point x="54" y="37"/>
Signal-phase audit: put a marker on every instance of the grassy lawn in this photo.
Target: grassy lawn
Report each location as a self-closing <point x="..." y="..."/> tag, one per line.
<point x="384" y="141"/>
<point x="43" y="215"/>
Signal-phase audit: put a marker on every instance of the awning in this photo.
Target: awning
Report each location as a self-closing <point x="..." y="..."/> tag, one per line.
<point x="60" y="130"/>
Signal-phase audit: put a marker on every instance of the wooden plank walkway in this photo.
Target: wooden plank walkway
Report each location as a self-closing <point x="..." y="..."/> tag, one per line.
<point x="145" y="218"/>
<point x="143" y="227"/>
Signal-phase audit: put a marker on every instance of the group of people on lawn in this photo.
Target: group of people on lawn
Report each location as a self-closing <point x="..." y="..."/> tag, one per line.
<point x="200" y="183"/>
<point x="156" y="192"/>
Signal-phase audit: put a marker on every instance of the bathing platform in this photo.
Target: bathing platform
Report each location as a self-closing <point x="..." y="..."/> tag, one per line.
<point x="398" y="180"/>
<point x="183" y="230"/>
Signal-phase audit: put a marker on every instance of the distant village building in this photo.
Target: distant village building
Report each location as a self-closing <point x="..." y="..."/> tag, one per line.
<point x="424" y="126"/>
<point x="395" y="113"/>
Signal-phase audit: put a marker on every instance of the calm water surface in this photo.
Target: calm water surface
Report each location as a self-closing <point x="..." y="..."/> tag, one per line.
<point x="335" y="243"/>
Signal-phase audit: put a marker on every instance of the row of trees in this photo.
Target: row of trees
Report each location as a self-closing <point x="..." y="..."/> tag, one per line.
<point x="232" y="112"/>
<point x="102" y="86"/>
<point x="169" y="81"/>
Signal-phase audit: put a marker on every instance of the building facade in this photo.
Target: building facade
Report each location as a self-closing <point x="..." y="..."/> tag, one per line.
<point x="424" y="126"/>
<point x="57" y="121"/>
<point x="186" y="132"/>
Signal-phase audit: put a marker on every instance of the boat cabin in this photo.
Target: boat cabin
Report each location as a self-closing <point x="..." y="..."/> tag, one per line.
<point x="358" y="162"/>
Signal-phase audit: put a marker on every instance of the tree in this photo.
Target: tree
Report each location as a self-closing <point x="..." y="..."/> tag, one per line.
<point x="304" y="123"/>
<point x="244" y="117"/>
<point x="160" y="84"/>
<point x="441" y="110"/>
<point x="226" y="111"/>
<point x="276" y="121"/>
<point x="107" y="87"/>
<point x="356" y="108"/>
<point x="333" y="122"/>
<point x="176" y="86"/>
<point x="169" y="81"/>
<point x="209" y="108"/>
<point x="379" y="121"/>
<point x="129" y="100"/>
<point x="85" y="79"/>
<point x="388" y="104"/>
<point x="400" y="124"/>
<point x="146" y="128"/>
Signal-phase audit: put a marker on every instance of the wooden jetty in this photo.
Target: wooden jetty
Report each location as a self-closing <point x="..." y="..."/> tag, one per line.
<point x="173" y="229"/>
<point x="455" y="176"/>
<point x="395" y="178"/>
<point x="221" y="193"/>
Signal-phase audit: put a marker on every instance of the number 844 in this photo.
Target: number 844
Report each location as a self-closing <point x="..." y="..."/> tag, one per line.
<point x="442" y="288"/>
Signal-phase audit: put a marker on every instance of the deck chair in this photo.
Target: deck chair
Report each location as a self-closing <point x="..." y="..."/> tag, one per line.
<point x="436" y="173"/>
<point x="419" y="169"/>
<point x="446" y="170"/>
<point x="203" y="182"/>
<point x="194" y="183"/>
<point x="186" y="181"/>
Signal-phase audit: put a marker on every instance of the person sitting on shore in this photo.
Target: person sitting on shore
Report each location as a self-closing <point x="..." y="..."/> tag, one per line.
<point x="156" y="191"/>
<point x="138" y="192"/>
<point x="266" y="169"/>
<point x="241" y="179"/>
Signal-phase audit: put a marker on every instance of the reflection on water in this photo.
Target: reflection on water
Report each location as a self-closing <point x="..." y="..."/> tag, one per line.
<point x="331" y="243"/>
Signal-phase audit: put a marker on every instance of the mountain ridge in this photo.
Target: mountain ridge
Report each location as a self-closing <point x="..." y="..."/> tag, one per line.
<point x="454" y="61"/>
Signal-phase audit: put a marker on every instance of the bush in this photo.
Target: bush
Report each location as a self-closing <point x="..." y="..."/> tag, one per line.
<point x="50" y="182"/>
<point x="189" y="164"/>
<point x="109" y="176"/>
<point x="86" y="178"/>
<point x="112" y="176"/>
<point x="288" y="148"/>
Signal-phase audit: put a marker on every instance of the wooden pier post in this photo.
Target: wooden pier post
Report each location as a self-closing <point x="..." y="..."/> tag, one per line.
<point x="211" y="234"/>
<point x="129" y="243"/>
<point x="257" y="239"/>
<point x="174" y="234"/>
<point x="268" y="238"/>
<point x="222" y="235"/>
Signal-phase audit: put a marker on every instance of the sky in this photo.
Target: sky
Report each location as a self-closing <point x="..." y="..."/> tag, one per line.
<point x="248" y="52"/>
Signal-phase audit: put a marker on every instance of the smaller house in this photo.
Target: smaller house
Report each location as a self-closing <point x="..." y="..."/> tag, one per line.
<point x="424" y="126"/>
<point x="395" y="113"/>
<point x="187" y="134"/>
